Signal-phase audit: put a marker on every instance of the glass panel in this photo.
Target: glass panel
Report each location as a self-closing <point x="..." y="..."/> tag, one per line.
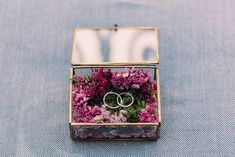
<point x="147" y="132"/>
<point x="93" y="46"/>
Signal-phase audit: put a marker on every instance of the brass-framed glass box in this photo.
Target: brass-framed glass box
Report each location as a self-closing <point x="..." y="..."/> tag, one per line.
<point x="114" y="84"/>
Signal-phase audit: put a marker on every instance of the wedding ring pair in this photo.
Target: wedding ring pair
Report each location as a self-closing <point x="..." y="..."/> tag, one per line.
<point x="120" y="102"/>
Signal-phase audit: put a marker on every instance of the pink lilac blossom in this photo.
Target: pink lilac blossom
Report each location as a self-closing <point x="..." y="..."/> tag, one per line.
<point x="100" y="80"/>
<point x="148" y="114"/>
<point x="107" y="117"/>
<point x="81" y="111"/>
<point x="133" y="78"/>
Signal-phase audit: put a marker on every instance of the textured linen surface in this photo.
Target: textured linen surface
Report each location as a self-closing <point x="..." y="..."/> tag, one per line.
<point x="197" y="65"/>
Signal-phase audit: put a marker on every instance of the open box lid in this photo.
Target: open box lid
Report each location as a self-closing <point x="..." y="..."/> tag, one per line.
<point x="115" y="46"/>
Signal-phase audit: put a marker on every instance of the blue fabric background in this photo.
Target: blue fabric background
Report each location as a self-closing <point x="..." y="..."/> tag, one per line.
<point x="197" y="65"/>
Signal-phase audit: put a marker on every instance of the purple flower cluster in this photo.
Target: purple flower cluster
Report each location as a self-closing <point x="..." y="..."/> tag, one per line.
<point x="92" y="88"/>
<point x="127" y="79"/>
<point x="148" y="114"/>
<point x="82" y="112"/>
<point x="107" y="117"/>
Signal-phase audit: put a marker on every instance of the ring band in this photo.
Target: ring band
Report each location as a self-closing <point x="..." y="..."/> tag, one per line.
<point x="119" y="100"/>
<point x="121" y="104"/>
<point x="118" y="96"/>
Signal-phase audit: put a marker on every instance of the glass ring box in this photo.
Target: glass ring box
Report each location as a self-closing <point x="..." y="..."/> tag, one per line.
<point x="114" y="84"/>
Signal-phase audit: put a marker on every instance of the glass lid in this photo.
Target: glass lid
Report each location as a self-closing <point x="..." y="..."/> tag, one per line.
<point x="116" y="45"/>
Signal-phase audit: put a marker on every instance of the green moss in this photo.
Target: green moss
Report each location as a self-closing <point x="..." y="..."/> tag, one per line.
<point x="134" y="111"/>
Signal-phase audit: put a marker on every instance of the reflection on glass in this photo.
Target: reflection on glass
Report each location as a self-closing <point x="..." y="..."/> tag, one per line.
<point x="123" y="45"/>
